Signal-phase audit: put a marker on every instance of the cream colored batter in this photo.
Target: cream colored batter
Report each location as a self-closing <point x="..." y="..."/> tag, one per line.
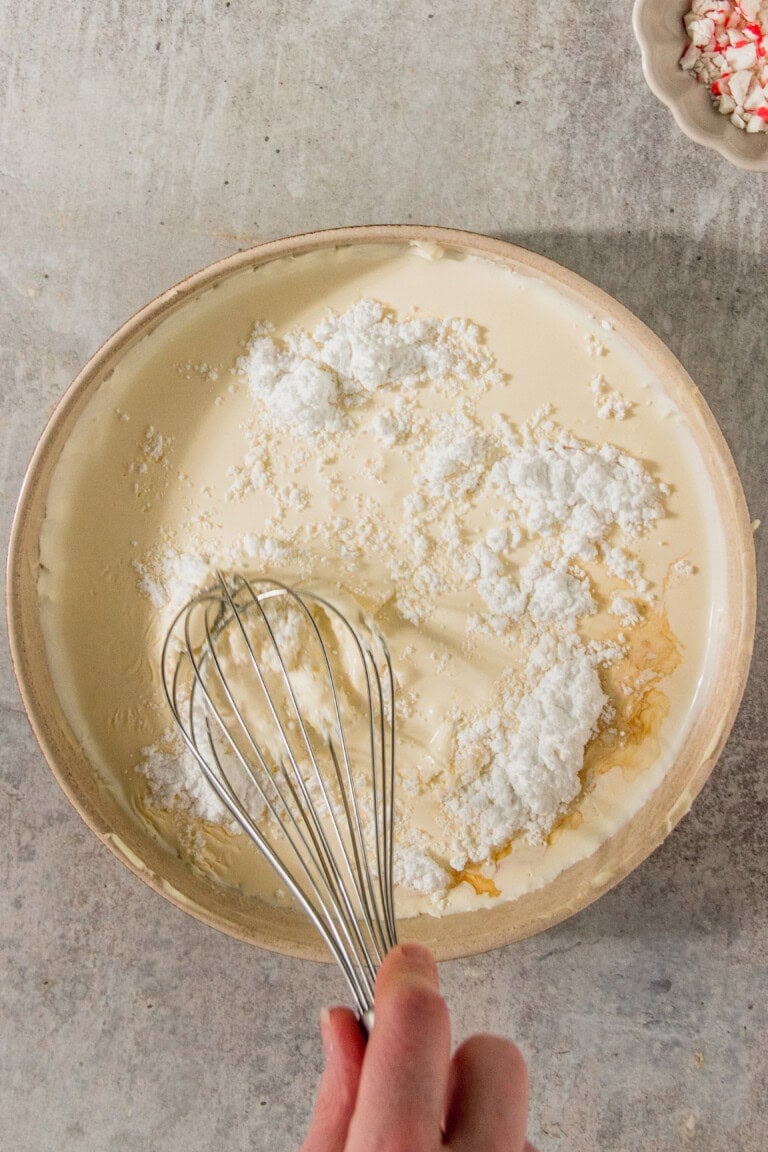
<point x="119" y="495"/>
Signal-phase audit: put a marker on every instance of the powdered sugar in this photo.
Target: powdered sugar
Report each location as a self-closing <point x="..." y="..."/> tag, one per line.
<point x="415" y="867"/>
<point x="392" y="425"/>
<point x="518" y="768"/>
<point x="558" y="484"/>
<point x="594" y="345"/>
<point x="546" y="595"/>
<point x="454" y="459"/>
<point x="295" y="391"/>
<point x="308" y="381"/>
<point x="176" y="781"/>
<point x="626" y="610"/>
<point x="169" y="578"/>
<point x="609" y="404"/>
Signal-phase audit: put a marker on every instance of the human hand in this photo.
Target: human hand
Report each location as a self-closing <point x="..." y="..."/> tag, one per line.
<point x="402" y="1092"/>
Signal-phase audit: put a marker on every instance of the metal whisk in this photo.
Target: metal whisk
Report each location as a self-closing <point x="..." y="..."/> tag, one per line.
<point x="288" y="708"/>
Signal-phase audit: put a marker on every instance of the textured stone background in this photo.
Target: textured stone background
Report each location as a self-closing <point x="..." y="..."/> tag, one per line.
<point x="141" y="139"/>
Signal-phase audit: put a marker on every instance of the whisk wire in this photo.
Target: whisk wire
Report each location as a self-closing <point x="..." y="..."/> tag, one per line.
<point x="370" y="903"/>
<point x="361" y="990"/>
<point x="374" y="922"/>
<point x="324" y="859"/>
<point x="332" y="927"/>
<point x="383" y="840"/>
<point x="334" y="932"/>
<point x="322" y="846"/>
<point x="349" y="904"/>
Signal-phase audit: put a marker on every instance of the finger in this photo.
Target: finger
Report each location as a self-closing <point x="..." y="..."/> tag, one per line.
<point x="344" y="1047"/>
<point x="405" y="1072"/>
<point x="488" y="1097"/>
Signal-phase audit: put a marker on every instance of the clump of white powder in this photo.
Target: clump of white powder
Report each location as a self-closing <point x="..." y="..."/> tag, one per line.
<point x="392" y="425"/>
<point x="547" y="594"/>
<point x="519" y="769"/>
<point x="176" y="781"/>
<point x="608" y="403"/>
<point x="627" y="611"/>
<point x="155" y="445"/>
<point x="454" y="458"/>
<point x="169" y="578"/>
<point x="415" y="867"/>
<point x="307" y="380"/>
<point x="559" y="485"/>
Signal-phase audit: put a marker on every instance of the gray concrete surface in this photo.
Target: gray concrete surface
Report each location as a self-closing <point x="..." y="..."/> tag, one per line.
<point x="141" y="139"/>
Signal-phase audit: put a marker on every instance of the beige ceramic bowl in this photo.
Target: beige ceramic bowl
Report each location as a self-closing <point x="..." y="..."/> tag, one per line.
<point x="451" y="936"/>
<point x="660" y="33"/>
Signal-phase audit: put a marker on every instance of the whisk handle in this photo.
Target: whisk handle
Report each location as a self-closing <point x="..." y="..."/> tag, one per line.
<point x="366" y="1022"/>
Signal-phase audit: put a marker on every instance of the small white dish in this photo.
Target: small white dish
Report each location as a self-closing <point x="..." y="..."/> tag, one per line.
<point x="659" y="30"/>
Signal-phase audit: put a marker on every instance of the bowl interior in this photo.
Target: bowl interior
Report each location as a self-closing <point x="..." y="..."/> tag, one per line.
<point x="281" y="929"/>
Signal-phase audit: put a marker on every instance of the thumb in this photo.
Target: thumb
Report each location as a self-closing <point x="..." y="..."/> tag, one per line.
<point x="344" y="1047"/>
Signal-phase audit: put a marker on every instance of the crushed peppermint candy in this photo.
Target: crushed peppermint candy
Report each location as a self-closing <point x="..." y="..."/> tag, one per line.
<point x="728" y="53"/>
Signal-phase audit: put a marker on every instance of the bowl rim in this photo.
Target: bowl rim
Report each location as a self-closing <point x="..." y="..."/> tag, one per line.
<point x="717" y="142"/>
<point x="472" y="932"/>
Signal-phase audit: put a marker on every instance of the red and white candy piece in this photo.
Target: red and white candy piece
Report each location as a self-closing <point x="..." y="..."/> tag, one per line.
<point x="728" y="52"/>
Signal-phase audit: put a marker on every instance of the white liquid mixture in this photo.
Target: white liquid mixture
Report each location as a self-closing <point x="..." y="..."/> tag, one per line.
<point x="174" y="467"/>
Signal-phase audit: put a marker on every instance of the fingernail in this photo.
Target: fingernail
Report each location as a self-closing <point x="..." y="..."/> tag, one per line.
<point x="418" y="961"/>
<point x="326" y="1034"/>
